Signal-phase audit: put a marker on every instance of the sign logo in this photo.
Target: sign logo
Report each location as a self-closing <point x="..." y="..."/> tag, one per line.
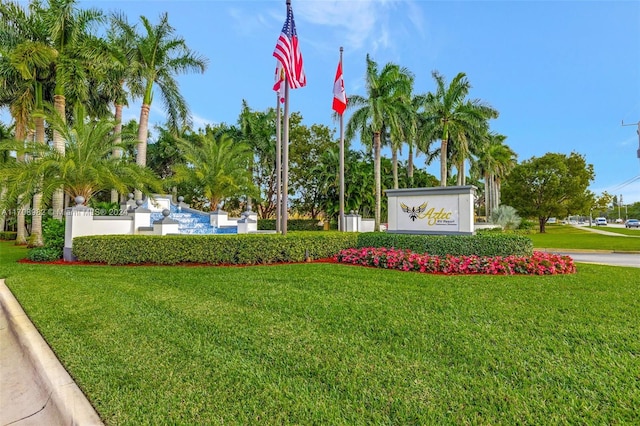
<point x="414" y="211"/>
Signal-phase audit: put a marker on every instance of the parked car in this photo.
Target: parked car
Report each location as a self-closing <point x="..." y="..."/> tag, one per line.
<point x="632" y="223"/>
<point x="601" y="221"/>
<point x="619" y="220"/>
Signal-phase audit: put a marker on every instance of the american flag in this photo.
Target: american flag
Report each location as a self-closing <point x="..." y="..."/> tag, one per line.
<point x="288" y="53"/>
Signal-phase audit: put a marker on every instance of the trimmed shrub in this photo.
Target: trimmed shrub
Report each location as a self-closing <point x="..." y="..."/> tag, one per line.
<point x="485" y="244"/>
<point x="44" y="254"/>
<point x="292" y="225"/>
<point x="53" y="238"/>
<point x="211" y="249"/>
<point x="8" y="236"/>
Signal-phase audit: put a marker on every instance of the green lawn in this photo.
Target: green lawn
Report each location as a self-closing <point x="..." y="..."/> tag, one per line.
<point x="336" y="344"/>
<point x="572" y="237"/>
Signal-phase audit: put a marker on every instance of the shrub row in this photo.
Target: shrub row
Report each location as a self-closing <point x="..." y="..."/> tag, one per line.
<point x="272" y="248"/>
<point x="292" y="225"/>
<point x="7" y="235"/>
<point x="486" y="244"/>
<point x="211" y="249"/>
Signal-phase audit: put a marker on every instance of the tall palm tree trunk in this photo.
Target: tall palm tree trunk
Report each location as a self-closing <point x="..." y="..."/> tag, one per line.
<point x="487" y="196"/>
<point x="394" y="165"/>
<point x="410" y="166"/>
<point x="57" y="202"/>
<point x="376" y="176"/>
<point x="496" y="189"/>
<point x="21" y="230"/>
<point x="117" y="152"/>
<point x="36" y="218"/>
<point x="3" y="219"/>
<point x="141" y="156"/>
<point x="443" y="160"/>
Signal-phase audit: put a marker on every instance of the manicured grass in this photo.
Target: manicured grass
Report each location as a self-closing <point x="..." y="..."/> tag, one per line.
<point x="337" y="344"/>
<point x="572" y="237"/>
<point x="632" y="232"/>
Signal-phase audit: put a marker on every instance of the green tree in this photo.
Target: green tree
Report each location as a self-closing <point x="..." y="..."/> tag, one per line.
<point x="359" y="187"/>
<point x="386" y="90"/>
<point x="85" y="168"/>
<point x="32" y="60"/>
<point x="24" y="59"/>
<point x="159" y="57"/>
<point x="494" y="161"/>
<point x="69" y="33"/>
<point x="307" y="144"/>
<point x="602" y="203"/>
<point x="218" y="166"/>
<point x="549" y="186"/>
<point x="455" y="119"/>
<point x="258" y="131"/>
<point x="120" y="82"/>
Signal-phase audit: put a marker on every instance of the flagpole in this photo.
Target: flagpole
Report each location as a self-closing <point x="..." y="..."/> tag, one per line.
<point x="342" y="224"/>
<point x="278" y="165"/>
<point x="285" y="158"/>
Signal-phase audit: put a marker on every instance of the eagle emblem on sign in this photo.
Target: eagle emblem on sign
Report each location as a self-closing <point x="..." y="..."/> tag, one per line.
<point x="414" y="211"/>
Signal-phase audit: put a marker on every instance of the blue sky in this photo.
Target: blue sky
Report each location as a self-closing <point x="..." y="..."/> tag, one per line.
<point x="562" y="74"/>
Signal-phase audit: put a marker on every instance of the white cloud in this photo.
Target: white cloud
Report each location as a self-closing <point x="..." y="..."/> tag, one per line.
<point x="201" y="122"/>
<point x="362" y="23"/>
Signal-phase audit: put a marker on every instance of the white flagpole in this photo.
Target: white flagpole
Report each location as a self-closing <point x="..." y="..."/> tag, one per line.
<point x="278" y="165"/>
<point x="342" y="221"/>
<point x="285" y="160"/>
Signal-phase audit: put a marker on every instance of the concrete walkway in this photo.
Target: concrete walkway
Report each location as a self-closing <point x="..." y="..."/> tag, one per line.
<point x="599" y="230"/>
<point x="35" y="389"/>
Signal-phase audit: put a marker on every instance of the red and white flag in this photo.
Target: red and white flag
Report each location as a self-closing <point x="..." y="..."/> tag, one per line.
<point x="279" y="81"/>
<point x="288" y="53"/>
<point x="339" y="95"/>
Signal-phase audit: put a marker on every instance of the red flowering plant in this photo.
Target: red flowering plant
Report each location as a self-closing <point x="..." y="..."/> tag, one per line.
<point x="538" y="264"/>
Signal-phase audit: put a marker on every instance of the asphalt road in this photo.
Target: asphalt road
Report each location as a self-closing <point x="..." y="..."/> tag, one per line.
<point x="602" y="257"/>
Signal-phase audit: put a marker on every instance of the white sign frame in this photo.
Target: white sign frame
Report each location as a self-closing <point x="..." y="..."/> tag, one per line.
<point x="438" y="211"/>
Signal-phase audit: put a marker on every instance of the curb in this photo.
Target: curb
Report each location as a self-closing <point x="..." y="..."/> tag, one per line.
<point x="66" y="402"/>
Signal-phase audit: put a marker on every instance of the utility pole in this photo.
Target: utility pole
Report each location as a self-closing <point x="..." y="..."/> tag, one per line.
<point x="637" y="131"/>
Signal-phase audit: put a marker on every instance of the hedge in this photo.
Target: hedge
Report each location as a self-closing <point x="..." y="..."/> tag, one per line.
<point x="292" y="225"/>
<point x="8" y="235"/>
<point x="211" y="249"/>
<point x="487" y="244"/>
<point x="272" y="248"/>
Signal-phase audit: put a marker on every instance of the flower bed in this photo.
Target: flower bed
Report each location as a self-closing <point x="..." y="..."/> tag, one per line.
<point x="538" y="264"/>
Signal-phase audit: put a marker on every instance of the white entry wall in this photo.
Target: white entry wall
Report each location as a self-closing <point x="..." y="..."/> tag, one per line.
<point x="440" y="210"/>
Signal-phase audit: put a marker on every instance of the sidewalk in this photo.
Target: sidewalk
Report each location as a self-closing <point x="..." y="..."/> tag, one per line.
<point x="35" y="389"/>
<point x="605" y="232"/>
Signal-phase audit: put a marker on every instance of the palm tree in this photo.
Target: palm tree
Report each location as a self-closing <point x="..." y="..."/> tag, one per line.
<point x="258" y="131"/>
<point x="218" y="166"/>
<point x="159" y="56"/>
<point x="400" y="122"/>
<point x="32" y="60"/>
<point x="85" y="168"/>
<point x="78" y="51"/>
<point x="494" y="161"/>
<point x="386" y="90"/>
<point x="5" y="158"/>
<point x="454" y="118"/>
<point x="20" y="28"/>
<point x="120" y="83"/>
